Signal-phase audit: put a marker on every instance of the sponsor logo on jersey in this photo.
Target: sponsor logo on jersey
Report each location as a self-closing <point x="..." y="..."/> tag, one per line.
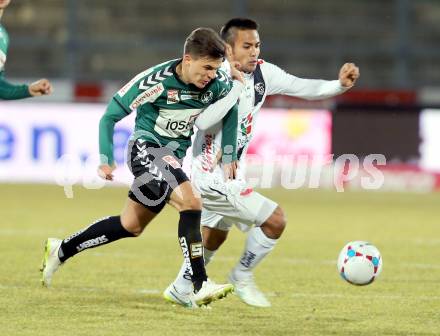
<point x="189" y="97"/>
<point x="206" y="97"/>
<point x="259" y="87"/>
<point x="172" y="96"/>
<point x="190" y="92"/>
<point x="207" y="151"/>
<point x="246" y="125"/>
<point x="149" y="95"/>
<point x="245" y="131"/>
<point x="178" y="125"/>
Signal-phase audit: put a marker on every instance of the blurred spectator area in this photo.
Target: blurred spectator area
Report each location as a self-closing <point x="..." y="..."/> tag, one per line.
<point x="395" y="42"/>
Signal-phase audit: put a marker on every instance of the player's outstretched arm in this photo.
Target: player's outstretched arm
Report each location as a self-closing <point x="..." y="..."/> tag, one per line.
<point x="280" y="82"/>
<point x="10" y="91"/>
<point x="40" y="88"/>
<point x="216" y="111"/>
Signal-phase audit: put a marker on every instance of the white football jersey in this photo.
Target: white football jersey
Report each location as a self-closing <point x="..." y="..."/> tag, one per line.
<point x="267" y="79"/>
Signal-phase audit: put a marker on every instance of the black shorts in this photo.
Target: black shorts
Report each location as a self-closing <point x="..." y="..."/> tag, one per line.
<point x="157" y="172"/>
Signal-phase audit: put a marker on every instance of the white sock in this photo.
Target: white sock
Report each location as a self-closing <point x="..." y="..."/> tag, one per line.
<point x="257" y="246"/>
<point x="183" y="281"/>
<point x="208" y="255"/>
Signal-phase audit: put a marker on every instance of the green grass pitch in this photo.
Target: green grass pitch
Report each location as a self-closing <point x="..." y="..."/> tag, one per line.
<point x="116" y="289"/>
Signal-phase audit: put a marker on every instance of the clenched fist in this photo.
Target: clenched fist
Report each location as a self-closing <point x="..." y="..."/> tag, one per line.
<point x="40" y="87"/>
<point x="348" y="75"/>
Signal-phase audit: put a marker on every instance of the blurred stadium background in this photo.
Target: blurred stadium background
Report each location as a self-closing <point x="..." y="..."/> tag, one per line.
<point x="89" y="49"/>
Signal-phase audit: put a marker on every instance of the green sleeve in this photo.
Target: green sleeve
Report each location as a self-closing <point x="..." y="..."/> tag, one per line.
<point x="112" y="115"/>
<point x="10" y="91"/>
<point x="229" y="135"/>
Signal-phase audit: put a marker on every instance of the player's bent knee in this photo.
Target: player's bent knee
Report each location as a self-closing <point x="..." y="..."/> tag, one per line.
<point x="135" y="217"/>
<point x="280" y="221"/>
<point x="274" y="226"/>
<point x="191" y="203"/>
<point x="132" y="225"/>
<point x="135" y="230"/>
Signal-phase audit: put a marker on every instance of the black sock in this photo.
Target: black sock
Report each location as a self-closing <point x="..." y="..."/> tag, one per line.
<point x="190" y="240"/>
<point x="101" y="232"/>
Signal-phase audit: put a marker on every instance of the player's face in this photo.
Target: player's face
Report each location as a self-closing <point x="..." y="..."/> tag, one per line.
<point x="246" y="49"/>
<point x="200" y="71"/>
<point x="4" y="3"/>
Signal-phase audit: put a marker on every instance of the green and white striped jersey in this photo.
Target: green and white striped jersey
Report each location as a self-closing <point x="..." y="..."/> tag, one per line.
<point x="8" y="90"/>
<point x="166" y="108"/>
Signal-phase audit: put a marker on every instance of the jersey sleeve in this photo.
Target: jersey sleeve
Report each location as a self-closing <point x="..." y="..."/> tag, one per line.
<point x="139" y="90"/>
<point x="229" y="135"/>
<point x="126" y="96"/>
<point x="230" y="120"/>
<point x="224" y="84"/>
<point x="215" y="112"/>
<point x="280" y="82"/>
<point x="115" y="112"/>
<point x="10" y="91"/>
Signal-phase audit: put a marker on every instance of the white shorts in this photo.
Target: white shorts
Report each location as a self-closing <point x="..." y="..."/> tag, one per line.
<point x="229" y="203"/>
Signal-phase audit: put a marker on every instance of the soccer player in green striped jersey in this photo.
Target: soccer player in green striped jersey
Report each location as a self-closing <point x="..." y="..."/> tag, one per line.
<point x="10" y="91"/>
<point x="169" y="99"/>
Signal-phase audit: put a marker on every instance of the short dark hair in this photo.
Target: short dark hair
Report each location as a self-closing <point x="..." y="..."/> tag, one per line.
<point x="228" y="30"/>
<point x="204" y="42"/>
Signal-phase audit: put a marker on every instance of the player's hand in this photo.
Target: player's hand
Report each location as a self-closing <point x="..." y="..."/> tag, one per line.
<point x="235" y="72"/>
<point x="348" y="75"/>
<point x="106" y="172"/>
<point x="230" y="170"/>
<point x="235" y="66"/>
<point x="40" y="87"/>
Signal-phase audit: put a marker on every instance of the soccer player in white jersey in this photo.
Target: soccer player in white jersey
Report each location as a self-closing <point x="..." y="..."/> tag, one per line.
<point x="226" y="203"/>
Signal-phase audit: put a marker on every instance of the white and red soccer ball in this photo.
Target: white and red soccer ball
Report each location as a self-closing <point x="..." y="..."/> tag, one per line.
<point x="359" y="263"/>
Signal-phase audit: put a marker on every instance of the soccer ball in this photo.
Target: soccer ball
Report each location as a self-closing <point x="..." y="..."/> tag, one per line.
<point x="359" y="263"/>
